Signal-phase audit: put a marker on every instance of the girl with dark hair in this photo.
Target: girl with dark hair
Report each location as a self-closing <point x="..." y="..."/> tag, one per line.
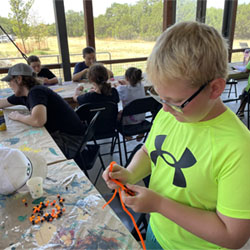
<point x="45" y="75"/>
<point x="102" y="91"/>
<point x="131" y="89"/>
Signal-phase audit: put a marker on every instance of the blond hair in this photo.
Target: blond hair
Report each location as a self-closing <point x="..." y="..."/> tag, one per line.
<point x="189" y="51"/>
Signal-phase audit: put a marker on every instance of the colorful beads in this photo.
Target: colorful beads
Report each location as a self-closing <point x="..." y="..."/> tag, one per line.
<point x="38" y="215"/>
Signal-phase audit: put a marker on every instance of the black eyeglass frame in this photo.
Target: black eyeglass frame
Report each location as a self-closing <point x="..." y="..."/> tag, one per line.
<point x="178" y="108"/>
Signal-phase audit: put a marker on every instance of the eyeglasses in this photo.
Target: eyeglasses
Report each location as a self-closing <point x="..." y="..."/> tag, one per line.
<point x="178" y="108"/>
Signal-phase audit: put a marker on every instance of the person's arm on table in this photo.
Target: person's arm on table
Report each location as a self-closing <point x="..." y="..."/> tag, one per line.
<point x="37" y="118"/>
<point x="211" y="226"/>
<point x="77" y="76"/>
<point x="78" y="91"/>
<point x="139" y="167"/>
<point x="4" y="103"/>
<point x="53" y="80"/>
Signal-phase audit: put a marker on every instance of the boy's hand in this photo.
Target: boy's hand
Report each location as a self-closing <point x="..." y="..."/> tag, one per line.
<point x="118" y="172"/>
<point x="145" y="200"/>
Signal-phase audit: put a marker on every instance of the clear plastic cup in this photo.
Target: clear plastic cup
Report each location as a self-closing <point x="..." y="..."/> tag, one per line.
<point x="35" y="185"/>
<point x="59" y="81"/>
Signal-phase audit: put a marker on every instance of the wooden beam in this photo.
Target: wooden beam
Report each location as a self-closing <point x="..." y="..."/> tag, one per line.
<point x="201" y="11"/>
<point x="89" y="23"/>
<point x="62" y="37"/>
<point x="169" y="13"/>
<point x="228" y="25"/>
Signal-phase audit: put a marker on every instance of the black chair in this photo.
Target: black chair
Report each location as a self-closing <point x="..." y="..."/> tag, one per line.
<point x="244" y="101"/>
<point x="105" y="125"/>
<point x="231" y="83"/>
<point x="140" y="218"/>
<point x="138" y="106"/>
<point x="87" y="154"/>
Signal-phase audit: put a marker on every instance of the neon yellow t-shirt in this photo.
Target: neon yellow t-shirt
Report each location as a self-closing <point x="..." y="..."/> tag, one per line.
<point x="248" y="82"/>
<point x="203" y="165"/>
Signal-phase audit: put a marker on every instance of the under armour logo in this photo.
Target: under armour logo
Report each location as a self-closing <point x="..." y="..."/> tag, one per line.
<point x="187" y="160"/>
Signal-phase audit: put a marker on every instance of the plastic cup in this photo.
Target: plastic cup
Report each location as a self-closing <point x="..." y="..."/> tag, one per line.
<point x="59" y="81"/>
<point x="35" y="185"/>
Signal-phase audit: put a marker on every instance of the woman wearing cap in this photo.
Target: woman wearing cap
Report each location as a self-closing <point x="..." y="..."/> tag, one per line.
<point x="47" y="109"/>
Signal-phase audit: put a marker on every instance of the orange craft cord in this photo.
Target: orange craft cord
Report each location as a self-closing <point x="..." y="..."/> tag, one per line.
<point x="121" y="186"/>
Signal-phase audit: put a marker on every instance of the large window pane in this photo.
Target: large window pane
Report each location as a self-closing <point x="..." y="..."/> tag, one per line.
<point x="38" y="36"/>
<point x="127" y="29"/>
<point x="75" y="28"/>
<point x="242" y="32"/>
<point x="185" y="10"/>
<point x="214" y="14"/>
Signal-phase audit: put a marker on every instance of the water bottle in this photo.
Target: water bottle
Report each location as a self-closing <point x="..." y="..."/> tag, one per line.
<point x="2" y="121"/>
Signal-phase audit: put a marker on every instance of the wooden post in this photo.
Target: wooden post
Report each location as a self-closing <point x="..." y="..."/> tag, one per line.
<point x="169" y="13"/>
<point x="89" y="23"/>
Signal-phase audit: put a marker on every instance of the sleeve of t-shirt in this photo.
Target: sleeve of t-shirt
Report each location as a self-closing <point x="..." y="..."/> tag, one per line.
<point x="233" y="181"/>
<point x="37" y="96"/>
<point x="86" y="98"/>
<point x="78" y="68"/>
<point x="248" y="65"/>
<point x="49" y="74"/>
<point x="16" y="100"/>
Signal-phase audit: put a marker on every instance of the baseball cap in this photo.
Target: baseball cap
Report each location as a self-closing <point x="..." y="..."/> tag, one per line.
<point x="16" y="167"/>
<point x="20" y="69"/>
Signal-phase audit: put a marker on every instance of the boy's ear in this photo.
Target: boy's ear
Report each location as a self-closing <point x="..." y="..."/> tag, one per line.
<point x="19" y="79"/>
<point x="217" y="86"/>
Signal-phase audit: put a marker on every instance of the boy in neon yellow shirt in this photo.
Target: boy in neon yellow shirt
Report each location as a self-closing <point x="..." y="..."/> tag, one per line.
<point x="244" y="94"/>
<point x="197" y="151"/>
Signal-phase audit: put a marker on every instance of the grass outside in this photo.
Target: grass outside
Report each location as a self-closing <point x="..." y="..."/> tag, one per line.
<point x="118" y="49"/>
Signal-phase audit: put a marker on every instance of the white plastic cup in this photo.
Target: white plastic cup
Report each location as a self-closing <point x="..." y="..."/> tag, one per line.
<point x="59" y="81"/>
<point x="35" y="185"/>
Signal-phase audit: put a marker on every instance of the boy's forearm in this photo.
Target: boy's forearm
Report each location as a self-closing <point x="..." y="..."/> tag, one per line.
<point x="204" y="224"/>
<point x="140" y="166"/>
<point x="77" y="76"/>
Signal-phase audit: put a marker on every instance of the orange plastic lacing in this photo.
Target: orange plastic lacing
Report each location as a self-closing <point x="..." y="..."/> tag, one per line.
<point x="128" y="191"/>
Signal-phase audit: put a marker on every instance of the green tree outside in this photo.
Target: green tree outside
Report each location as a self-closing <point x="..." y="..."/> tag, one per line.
<point x="19" y="19"/>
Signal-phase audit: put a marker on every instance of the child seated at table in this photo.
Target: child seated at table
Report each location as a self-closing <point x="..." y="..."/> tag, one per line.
<point x="81" y="69"/>
<point x="101" y="91"/>
<point x="47" y="77"/>
<point x="131" y="89"/>
<point x="46" y="107"/>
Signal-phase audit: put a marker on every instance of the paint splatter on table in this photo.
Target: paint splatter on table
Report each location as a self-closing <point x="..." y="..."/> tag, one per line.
<point x="84" y="225"/>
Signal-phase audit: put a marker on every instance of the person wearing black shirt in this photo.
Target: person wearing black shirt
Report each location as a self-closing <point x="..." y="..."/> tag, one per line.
<point x="47" y="109"/>
<point x="101" y="92"/>
<point x="45" y="74"/>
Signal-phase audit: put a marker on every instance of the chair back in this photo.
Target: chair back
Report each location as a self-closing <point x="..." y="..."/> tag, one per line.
<point x="90" y="131"/>
<point x="106" y="121"/>
<point x="142" y="105"/>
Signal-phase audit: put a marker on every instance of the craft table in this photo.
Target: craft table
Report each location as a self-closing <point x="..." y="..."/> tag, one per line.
<point x="83" y="225"/>
<point x="27" y="138"/>
<point x="236" y="74"/>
